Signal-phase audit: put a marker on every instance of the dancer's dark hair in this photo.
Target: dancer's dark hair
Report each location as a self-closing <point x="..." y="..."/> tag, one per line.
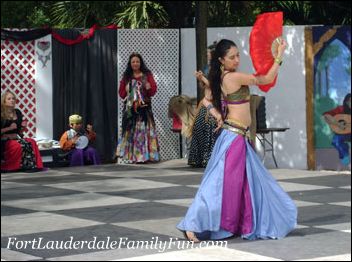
<point x="220" y="51"/>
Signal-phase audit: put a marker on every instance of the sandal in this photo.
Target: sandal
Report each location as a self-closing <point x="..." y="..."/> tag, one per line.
<point x="190" y="236"/>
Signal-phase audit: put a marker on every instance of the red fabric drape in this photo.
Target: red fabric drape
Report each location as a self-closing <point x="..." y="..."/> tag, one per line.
<point x="38" y="33"/>
<point x="80" y="38"/>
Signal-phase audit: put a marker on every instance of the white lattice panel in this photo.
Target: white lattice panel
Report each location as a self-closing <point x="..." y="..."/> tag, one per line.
<point x="18" y="76"/>
<point x="160" y="52"/>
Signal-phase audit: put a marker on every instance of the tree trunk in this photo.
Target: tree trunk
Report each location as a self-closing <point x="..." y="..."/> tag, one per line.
<point x="201" y="39"/>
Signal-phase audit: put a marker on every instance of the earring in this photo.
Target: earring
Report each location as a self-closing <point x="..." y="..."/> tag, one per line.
<point x="222" y="68"/>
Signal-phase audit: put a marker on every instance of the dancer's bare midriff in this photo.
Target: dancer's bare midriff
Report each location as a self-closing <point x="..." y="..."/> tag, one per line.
<point x="240" y="113"/>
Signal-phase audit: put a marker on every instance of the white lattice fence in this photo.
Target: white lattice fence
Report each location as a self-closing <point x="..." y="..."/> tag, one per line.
<point x="160" y="52"/>
<point x="18" y="76"/>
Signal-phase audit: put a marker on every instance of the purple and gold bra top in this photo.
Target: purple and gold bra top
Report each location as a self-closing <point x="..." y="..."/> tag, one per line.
<point x="241" y="96"/>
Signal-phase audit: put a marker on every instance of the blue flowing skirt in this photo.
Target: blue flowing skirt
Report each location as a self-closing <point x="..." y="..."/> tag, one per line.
<point x="274" y="214"/>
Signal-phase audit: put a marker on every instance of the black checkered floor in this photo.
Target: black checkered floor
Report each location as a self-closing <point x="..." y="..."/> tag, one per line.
<point x="135" y="203"/>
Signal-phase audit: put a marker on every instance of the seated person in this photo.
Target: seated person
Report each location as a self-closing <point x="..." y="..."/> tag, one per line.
<point x="339" y="140"/>
<point x="182" y="112"/>
<point x="79" y="154"/>
<point x="17" y="153"/>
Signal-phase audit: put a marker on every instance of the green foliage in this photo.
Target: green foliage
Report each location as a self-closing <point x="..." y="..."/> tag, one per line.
<point x="298" y="11"/>
<point x="14" y="14"/>
<point x="82" y="14"/>
<point x="38" y="18"/>
<point x="142" y="14"/>
<point x="316" y="12"/>
<point x="164" y="14"/>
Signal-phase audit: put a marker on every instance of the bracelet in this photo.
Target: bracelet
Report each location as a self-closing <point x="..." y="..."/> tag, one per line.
<point x="209" y="107"/>
<point x="278" y="61"/>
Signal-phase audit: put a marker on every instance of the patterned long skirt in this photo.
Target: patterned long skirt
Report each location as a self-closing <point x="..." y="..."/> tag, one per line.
<point x="21" y="154"/>
<point x="139" y="140"/>
<point x="203" y="139"/>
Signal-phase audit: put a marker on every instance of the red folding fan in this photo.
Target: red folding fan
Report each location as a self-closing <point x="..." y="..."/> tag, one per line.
<point x="266" y="29"/>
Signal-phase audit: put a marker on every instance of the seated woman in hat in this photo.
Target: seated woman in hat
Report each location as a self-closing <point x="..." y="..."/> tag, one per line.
<point x="77" y="142"/>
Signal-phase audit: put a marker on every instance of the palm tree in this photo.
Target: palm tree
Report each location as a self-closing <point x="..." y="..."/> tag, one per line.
<point x="83" y="14"/>
<point x="142" y="14"/>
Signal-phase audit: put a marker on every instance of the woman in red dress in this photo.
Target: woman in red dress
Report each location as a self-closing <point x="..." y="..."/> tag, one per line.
<point x="139" y="140"/>
<point x="17" y="153"/>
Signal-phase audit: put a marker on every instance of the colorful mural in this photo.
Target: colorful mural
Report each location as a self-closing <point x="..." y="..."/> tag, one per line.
<point x="332" y="83"/>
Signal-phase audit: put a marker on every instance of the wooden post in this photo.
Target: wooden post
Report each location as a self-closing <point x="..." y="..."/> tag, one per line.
<point x="309" y="63"/>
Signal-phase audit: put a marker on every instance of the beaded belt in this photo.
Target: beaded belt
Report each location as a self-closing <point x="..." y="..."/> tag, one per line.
<point x="236" y="128"/>
<point x="236" y="123"/>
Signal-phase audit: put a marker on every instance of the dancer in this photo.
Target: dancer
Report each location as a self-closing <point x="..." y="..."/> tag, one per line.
<point x="339" y="119"/>
<point x="205" y="125"/>
<point x="237" y="195"/>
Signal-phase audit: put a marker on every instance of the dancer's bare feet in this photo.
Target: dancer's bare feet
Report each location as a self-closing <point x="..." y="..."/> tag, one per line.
<point x="189" y="235"/>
